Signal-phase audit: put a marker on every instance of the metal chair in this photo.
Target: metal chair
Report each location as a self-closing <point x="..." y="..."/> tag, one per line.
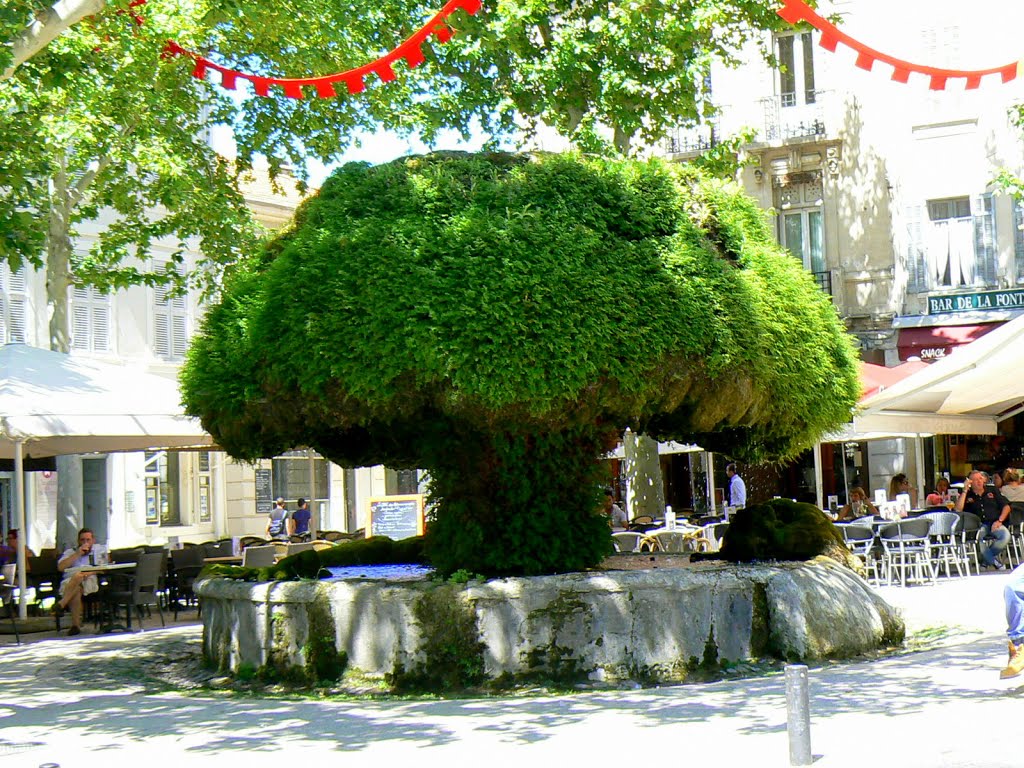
<point x="294" y="549"/>
<point x="907" y="550"/>
<point x="966" y="534"/>
<point x="860" y="540"/>
<point x="259" y="557"/>
<point x="8" y="596"/>
<point x="944" y="547"/>
<point x="136" y="590"/>
<point x="186" y="564"/>
<point x="627" y="541"/>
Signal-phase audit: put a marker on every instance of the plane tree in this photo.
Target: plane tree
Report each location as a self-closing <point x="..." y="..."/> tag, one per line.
<point x="499" y="319"/>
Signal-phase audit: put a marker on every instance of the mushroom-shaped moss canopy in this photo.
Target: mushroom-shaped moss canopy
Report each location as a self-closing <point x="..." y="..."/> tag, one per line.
<point x="497" y="319"/>
<point x="503" y="293"/>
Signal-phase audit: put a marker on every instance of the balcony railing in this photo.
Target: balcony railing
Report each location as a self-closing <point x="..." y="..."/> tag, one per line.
<point x="694" y="139"/>
<point x="784" y="119"/>
<point x="824" y="280"/>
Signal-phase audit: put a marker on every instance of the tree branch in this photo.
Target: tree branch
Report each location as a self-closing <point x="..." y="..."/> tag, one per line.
<point x="47" y="26"/>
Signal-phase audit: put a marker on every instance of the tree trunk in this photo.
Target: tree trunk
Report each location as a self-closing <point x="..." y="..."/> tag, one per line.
<point x="46" y="27"/>
<point x="58" y="261"/>
<point x="645" y="491"/>
<point x="519" y="504"/>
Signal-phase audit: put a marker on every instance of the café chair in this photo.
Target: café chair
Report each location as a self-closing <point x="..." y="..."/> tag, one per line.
<point x="259" y="557"/>
<point x="186" y="564"/>
<point x="135" y="590"/>
<point x="294" y="549"/>
<point x="907" y="550"/>
<point x="860" y="540"/>
<point x="627" y="541"/>
<point x="252" y="541"/>
<point x="966" y="534"/>
<point x="945" y="550"/>
<point x="320" y="544"/>
<point x="9" y="596"/>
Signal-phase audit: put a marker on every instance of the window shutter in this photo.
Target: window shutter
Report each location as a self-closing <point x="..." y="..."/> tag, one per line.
<point x="917" y="267"/>
<point x="101" y="324"/>
<point x="986" y="267"/>
<point x="179" y="336"/>
<point x="170" y="322"/>
<point x="161" y="335"/>
<point x="13" y="304"/>
<point x="80" y="319"/>
<point x="1018" y="238"/>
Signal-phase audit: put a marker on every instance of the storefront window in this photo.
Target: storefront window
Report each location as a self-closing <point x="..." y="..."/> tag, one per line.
<point x="291" y="476"/>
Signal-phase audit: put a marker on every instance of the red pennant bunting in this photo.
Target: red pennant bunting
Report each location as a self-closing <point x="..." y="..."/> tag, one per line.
<point x="796" y="11"/>
<point x="410" y="50"/>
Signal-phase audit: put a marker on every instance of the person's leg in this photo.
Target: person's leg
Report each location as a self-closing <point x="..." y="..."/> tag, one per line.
<point x="71" y="599"/>
<point x="1013" y="598"/>
<point x="1002" y="541"/>
<point x="985" y="545"/>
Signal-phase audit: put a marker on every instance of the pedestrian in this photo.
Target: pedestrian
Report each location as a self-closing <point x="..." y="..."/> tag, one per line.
<point x="736" y="490"/>
<point x="277" y="521"/>
<point x="1013" y="598"/>
<point x="298" y="523"/>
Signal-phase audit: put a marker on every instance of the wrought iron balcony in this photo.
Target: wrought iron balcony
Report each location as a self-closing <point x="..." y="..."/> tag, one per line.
<point x="824" y="280"/>
<point x="692" y="140"/>
<point x="785" y="119"/>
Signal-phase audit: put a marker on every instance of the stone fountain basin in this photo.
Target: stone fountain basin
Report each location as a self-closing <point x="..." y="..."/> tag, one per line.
<point x="652" y="626"/>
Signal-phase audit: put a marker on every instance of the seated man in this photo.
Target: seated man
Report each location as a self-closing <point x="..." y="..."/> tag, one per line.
<point x="75" y="586"/>
<point x="988" y="504"/>
<point x="9" y="552"/>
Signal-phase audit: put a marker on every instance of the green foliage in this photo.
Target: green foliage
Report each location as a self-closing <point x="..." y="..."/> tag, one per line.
<point x="779" y="529"/>
<point x="497" y="319"/>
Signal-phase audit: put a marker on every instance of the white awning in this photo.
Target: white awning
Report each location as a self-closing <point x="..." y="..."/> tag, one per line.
<point x="967" y="393"/>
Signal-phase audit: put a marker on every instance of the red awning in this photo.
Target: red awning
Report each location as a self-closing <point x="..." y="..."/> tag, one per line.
<point x="875" y="378"/>
<point x="930" y="344"/>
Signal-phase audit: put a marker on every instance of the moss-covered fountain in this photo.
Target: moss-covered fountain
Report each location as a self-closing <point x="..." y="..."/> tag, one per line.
<point x="499" y="320"/>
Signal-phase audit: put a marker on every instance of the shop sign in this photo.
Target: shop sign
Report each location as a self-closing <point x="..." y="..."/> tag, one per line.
<point x="969" y="302"/>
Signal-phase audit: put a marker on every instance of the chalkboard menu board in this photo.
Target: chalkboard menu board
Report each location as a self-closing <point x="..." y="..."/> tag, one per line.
<point x="397" y="517"/>
<point x="264" y="492"/>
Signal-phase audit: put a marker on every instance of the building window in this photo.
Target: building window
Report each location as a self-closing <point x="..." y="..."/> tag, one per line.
<point x="13" y="304"/>
<point x="796" y="74"/>
<point x="952" y="243"/>
<point x="170" y="321"/>
<point x="163" y="488"/>
<point x="801" y="223"/>
<point x="291" y="476"/>
<point x="90" y="319"/>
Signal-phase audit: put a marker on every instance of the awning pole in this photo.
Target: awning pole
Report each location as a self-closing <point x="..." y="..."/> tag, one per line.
<point x="19" y="506"/>
<point x="819" y="477"/>
<point x="919" y="460"/>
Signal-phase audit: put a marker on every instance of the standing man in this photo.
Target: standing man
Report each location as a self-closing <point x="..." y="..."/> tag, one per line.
<point x="298" y="523"/>
<point x="277" y="522"/>
<point x="993" y="509"/>
<point x="1013" y="597"/>
<point x="737" y="488"/>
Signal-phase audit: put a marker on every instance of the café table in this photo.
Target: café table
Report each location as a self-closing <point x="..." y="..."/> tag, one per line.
<point x="99" y="570"/>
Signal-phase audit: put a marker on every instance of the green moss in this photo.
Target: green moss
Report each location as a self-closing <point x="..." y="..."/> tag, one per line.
<point x="451" y="649"/>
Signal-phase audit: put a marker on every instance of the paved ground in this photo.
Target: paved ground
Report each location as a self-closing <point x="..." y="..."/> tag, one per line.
<point x="84" y="702"/>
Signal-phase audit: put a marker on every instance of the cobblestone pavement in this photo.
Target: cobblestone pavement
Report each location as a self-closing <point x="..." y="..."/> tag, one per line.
<point x="143" y="699"/>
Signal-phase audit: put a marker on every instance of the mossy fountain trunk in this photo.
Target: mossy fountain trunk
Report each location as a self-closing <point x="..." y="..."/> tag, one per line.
<point x="519" y="504"/>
